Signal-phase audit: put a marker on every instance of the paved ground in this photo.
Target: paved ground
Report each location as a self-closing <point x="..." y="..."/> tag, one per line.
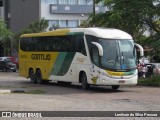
<point x="73" y="98"/>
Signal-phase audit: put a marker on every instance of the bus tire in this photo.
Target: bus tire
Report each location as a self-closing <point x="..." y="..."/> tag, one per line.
<point x="39" y="76"/>
<point x="32" y="76"/>
<point x="85" y="84"/>
<point x="115" y="87"/>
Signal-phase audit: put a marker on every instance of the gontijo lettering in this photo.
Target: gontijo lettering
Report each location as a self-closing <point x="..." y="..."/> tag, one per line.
<point x="41" y="57"/>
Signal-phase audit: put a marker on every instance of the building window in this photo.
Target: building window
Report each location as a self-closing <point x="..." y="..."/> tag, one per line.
<point x="67" y="8"/>
<point x="53" y="23"/>
<point x="73" y="23"/>
<point x="63" y="2"/>
<point x="72" y="2"/>
<point x="54" y="8"/>
<point x="50" y="1"/>
<point x="85" y="2"/>
<point x="68" y="2"/>
<point x="63" y="23"/>
<point x="69" y="23"/>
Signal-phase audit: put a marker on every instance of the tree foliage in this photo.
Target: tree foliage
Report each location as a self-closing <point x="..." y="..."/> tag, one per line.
<point x="35" y="27"/>
<point x="5" y="38"/>
<point x="4" y="32"/>
<point x="130" y="15"/>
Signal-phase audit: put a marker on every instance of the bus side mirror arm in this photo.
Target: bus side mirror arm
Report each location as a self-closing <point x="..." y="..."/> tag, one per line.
<point x="140" y="48"/>
<point x="100" y="49"/>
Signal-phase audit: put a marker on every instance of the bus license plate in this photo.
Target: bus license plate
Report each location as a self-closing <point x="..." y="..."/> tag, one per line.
<point x="121" y="81"/>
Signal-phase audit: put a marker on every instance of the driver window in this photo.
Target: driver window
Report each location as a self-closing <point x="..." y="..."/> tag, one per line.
<point x="95" y="56"/>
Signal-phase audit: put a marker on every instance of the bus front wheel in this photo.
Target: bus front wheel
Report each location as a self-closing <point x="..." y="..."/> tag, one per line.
<point x="85" y="84"/>
<point x="39" y="77"/>
<point x="115" y="87"/>
<point x="32" y="76"/>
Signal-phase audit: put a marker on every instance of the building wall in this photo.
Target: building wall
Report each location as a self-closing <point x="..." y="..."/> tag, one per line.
<point x="23" y="12"/>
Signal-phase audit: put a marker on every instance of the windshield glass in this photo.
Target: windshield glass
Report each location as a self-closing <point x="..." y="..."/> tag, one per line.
<point x="118" y="54"/>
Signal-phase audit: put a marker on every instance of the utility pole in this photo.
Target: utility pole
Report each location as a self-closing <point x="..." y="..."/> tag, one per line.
<point x="94" y="12"/>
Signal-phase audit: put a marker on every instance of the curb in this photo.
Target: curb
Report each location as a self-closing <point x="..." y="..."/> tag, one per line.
<point x="18" y="91"/>
<point x="12" y="91"/>
<point x="5" y="91"/>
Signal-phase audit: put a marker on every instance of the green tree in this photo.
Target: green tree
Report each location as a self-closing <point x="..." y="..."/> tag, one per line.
<point x="38" y="26"/>
<point x="5" y="38"/>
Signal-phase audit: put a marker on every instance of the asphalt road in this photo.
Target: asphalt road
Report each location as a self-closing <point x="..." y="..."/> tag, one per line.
<point x="56" y="97"/>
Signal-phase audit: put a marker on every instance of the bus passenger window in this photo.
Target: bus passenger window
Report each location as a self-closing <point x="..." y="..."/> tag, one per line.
<point x="54" y="46"/>
<point x="81" y="46"/>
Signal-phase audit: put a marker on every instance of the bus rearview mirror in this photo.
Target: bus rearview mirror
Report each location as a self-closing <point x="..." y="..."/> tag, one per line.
<point x="100" y="49"/>
<point x="140" y="49"/>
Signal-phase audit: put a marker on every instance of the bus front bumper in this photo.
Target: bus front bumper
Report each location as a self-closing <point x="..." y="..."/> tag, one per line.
<point x="118" y="81"/>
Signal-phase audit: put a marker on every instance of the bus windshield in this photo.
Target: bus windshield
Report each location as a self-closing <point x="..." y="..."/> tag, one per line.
<point x="118" y="54"/>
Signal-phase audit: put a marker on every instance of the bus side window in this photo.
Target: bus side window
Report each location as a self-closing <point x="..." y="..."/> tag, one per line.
<point x="54" y="44"/>
<point x="80" y="45"/>
<point x="23" y="44"/>
<point x="68" y="44"/>
<point x="48" y="43"/>
<point x="95" y="55"/>
<point x="30" y="44"/>
<point x="72" y="45"/>
<point x="39" y="44"/>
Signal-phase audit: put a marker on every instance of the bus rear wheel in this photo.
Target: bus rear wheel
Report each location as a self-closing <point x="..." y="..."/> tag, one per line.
<point x="32" y="76"/>
<point x="85" y="84"/>
<point x="115" y="87"/>
<point x="39" y="77"/>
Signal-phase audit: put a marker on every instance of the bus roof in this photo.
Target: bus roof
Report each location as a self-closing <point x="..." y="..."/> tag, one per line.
<point x="110" y="33"/>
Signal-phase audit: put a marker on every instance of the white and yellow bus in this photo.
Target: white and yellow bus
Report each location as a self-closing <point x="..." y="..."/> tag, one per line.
<point x="90" y="56"/>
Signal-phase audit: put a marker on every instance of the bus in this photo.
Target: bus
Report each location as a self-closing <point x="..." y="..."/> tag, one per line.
<point x="89" y="56"/>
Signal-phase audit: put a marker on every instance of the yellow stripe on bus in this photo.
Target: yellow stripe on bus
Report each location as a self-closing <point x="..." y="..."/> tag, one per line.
<point x="114" y="73"/>
<point x="60" y="32"/>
